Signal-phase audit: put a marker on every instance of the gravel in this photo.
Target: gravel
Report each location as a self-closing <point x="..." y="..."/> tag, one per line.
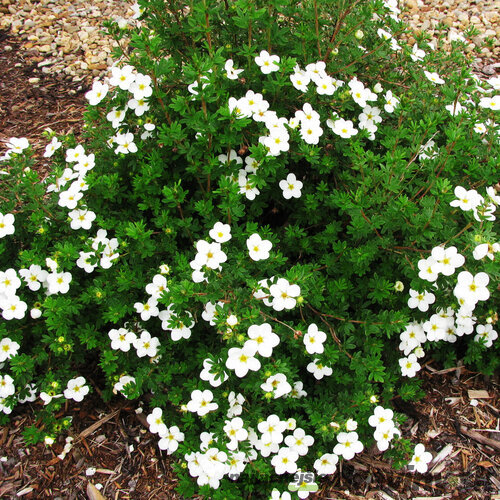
<point x="65" y="38"/>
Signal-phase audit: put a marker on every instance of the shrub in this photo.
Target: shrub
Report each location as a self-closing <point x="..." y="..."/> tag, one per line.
<point x="276" y="209"/>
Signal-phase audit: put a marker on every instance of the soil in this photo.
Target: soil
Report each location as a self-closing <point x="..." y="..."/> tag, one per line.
<point x="113" y="438"/>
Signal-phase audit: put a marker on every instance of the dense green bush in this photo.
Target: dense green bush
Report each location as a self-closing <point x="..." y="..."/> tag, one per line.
<point x="277" y="208"/>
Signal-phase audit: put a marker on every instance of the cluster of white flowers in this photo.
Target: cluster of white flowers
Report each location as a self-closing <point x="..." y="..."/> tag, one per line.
<point x="88" y="261"/>
<point x="210" y="255"/>
<point x="140" y="87"/>
<point x="35" y="277"/>
<point x="482" y="208"/>
<point x="74" y="177"/>
<point x="385" y="429"/>
<point x="442" y="260"/>
<point x="169" y="437"/>
<point x="278" y="293"/>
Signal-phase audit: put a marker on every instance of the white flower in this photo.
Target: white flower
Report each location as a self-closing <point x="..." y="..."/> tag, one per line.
<point x="417" y="54"/>
<point x="220" y="232"/>
<point x="291" y="187"/>
<point x="299" y="441"/>
<point x="326" y="464"/>
<point x="420" y="459"/>
<point x="235" y="432"/>
<point x="267" y="63"/>
<point x="7" y="387"/>
<point x="448" y="259"/>
<point x="433" y="77"/>
<point x="213" y="379"/>
<point x="148" y="309"/>
<point x="318" y="369"/>
<point x="412" y="337"/>
<point x="12" y="307"/>
<point x="436" y="327"/>
<point x="311" y="132"/>
<point x="17" y="145"/>
<point x="384" y="434"/>
<point x="314" y="339"/>
<point x="380" y="416"/>
<point x="8" y="349"/>
<point x="348" y="445"/>
<point x="235" y="404"/>
<point x="146" y="345"/>
<point x="81" y="219"/>
<point x="427" y="269"/>
<point x="76" y="389"/>
<point x="316" y="71"/>
<point x="155" y="421"/>
<point x="486" y="250"/>
<point x="125" y="143"/>
<point x="277" y="384"/>
<point x="284" y="294"/>
<point x="84" y="261"/>
<point x="264" y="338"/>
<point x="209" y="254"/>
<point x="52" y="147"/>
<point x="74" y="154"/>
<point x="421" y="300"/>
<point x="157" y="287"/>
<point x="140" y="106"/>
<point x="247" y="187"/>
<point x="467" y="200"/>
<point x="297" y="391"/>
<point x="116" y="116"/>
<point x="122" y="77"/>
<point x="97" y="93"/>
<point x="182" y="330"/>
<point x="9" y="282"/>
<point x="276" y="495"/>
<point x="170" y="439"/>
<point x="121" y="339"/>
<point x="258" y="248"/>
<point x="391" y="102"/>
<point x="486" y="334"/>
<point x="58" y="282"/>
<point x="472" y="289"/>
<point x="231" y="72"/>
<point x="409" y="366"/>
<point x="241" y="360"/>
<point x="351" y="425"/>
<point x="200" y="402"/>
<point x="272" y="429"/>
<point x="342" y="127"/>
<point x="300" y="80"/>
<point x="69" y="198"/>
<point x="490" y="102"/>
<point x="125" y="380"/>
<point x="285" y="461"/>
<point x="141" y="87"/>
<point x="455" y="108"/>
<point x="6" y="224"/>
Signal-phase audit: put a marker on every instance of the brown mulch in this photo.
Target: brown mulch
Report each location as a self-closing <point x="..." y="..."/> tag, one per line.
<point x="27" y="109"/>
<point x="114" y="440"/>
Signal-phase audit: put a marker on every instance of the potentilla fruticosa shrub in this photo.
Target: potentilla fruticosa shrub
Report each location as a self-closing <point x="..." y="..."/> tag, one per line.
<point x="279" y="212"/>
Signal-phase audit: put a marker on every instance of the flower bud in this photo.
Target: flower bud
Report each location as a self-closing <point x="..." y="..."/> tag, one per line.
<point x="359" y="34"/>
